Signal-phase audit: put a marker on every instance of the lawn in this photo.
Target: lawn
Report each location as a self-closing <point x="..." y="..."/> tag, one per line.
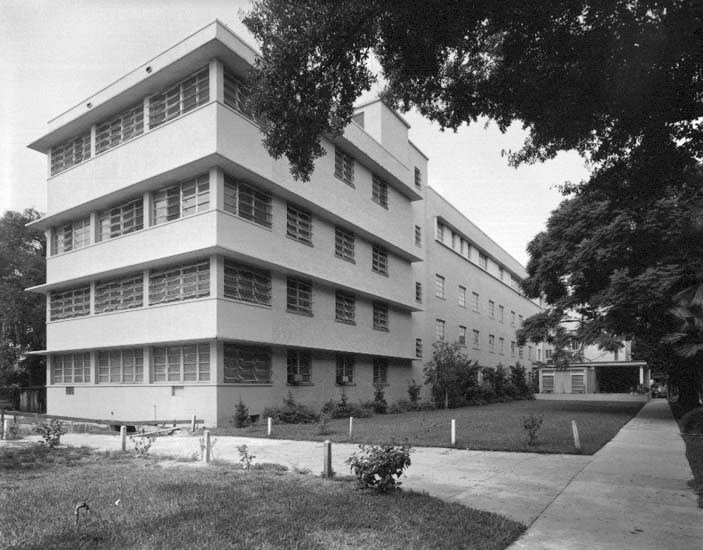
<point x="147" y="503"/>
<point x="496" y="427"/>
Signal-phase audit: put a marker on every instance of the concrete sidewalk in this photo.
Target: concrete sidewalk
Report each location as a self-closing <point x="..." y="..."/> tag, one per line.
<point x="632" y="495"/>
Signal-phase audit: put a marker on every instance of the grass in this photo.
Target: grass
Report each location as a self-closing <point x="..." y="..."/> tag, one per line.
<point x="496" y="427"/>
<point x="140" y="503"/>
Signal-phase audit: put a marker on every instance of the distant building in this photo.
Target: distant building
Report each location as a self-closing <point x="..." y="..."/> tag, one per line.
<point x="187" y="269"/>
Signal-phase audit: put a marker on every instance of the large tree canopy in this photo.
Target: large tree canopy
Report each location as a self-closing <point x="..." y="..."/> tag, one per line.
<point x="603" y="78"/>
<point x="22" y="314"/>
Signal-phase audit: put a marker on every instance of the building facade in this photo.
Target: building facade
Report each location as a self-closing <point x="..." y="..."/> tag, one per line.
<point x="187" y="269"/>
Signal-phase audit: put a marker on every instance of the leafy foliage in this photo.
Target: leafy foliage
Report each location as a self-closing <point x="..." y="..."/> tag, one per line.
<point x="380" y="405"/>
<point x="532" y="423"/>
<point x="51" y="432"/>
<point x="241" y="415"/>
<point x="22" y="314"/>
<point x="291" y="412"/>
<point x="344" y="409"/>
<point x="379" y="467"/>
<point x="414" y="392"/>
<point x="450" y="374"/>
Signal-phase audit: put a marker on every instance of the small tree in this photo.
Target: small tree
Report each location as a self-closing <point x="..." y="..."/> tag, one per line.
<point x="450" y="373"/>
<point x="380" y="405"/>
<point x="241" y="415"/>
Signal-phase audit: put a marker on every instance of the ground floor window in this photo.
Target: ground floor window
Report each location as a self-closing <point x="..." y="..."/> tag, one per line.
<point x="380" y="370"/>
<point x="345" y="369"/>
<point x="189" y="363"/>
<point x="578" y="382"/>
<point x="70" y="368"/>
<point x="299" y="367"/>
<point x="247" y="364"/>
<point x="121" y="366"/>
<point x="547" y="382"/>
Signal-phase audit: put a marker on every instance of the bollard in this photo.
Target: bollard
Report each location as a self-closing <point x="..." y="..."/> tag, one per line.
<point x="327" y="459"/>
<point x="453" y="432"/>
<point x="206" y="454"/>
<point x="575" y="430"/>
<point x="123" y="437"/>
<point x="268" y="427"/>
<point x="2" y="423"/>
<point x="6" y="428"/>
<point x="351" y="427"/>
<point x="192" y="424"/>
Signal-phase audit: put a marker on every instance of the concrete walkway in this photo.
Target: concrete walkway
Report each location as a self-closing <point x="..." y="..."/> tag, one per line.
<point x="632" y="495"/>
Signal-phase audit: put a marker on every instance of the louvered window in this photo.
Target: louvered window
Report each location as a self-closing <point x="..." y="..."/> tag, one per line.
<point x="345" y="307"/>
<point x="299" y="224"/>
<point x="247" y="284"/>
<point x="179" y="98"/>
<point x="247" y="364"/>
<point x="298" y="368"/>
<point x="379" y="191"/>
<point x="126" y="125"/>
<point x="246" y="202"/>
<point x="70" y="236"/>
<point x="379" y="260"/>
<point x="238" y="95"/>
<point x="345" y="369"/>
<point x="121" y="220"/>
<point x="181" y="200"/>
<point x="418" y="178"/>
<point x="344" y="244"/>
<point x="380" y="316"/>
<point x="182" y="282"/>
<point x="121" y="366"/>
<point x="299" y="296"/>
<point x="181" y="363"/>
<point x="119" y="294"/>
<point x="70" y="368"/>
<point x="343" y="166"/>
<point x="70" y="153"/>
<point x="70" y="303"/>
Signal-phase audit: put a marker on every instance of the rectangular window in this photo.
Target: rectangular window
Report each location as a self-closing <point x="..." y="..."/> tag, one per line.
<point x="548" y="354"/>
<point x="512" y="349"/>
<point x="501" y="314"/>
<point x="69" y="303"/>
<point x="237" y="95"/>
<point x="474" y="301"/>
<point x="501" y="273"/>
<point x="380" y="316"/>
<point x="476" y="339"/>
<point x="491" y="343"/>
<point x="440" y="232"/>
<point x="462" y="335"/>
<point x="512" y="318"/>
<point x="299" y="224"/>
<point x="181" y="363"/>
<point x="482" y="260"/>
<point x="462" y="296"/>
<point x="578" y="384"/>
<point x="181" y="200"/>
<point x="180" y="282"/>
<point x="379" y="191"/>
<point x="501" y="346"/>
<point x="418" y="235"/>
<point x="179" y="98"/>
<point x="70" y="368"/>
<point x="70" y="153"/>
<point x="439" y="329"/>
<point x="120" y="220"/>
<point x="529" y="353"/>
<point x="491" y="309"/>
<point x="547" y="382"/>
<point x="343" y="166"/>
<point x="439" y="286"/>
<point x="299" y="296"/>
<point x="120" y="128"/>
<point x="298" y="369"/>
<point x="380" y="370"/>
<point x="418" y="348"/>
<point x="118" y="294"/>
<point x="379" y="259"/>
<point x="121" y="366"/>
<point x="345" y="307"/>
<point x="247" y="284"/>
<point x="344" y="373"/>
<point x="418" y="178"/>
<point x="418" y="292"/>
<point x="70" y="236"/>
<point x="247" y="364"/>
<point x="246" y="202"/>
<point x="521" y="352"/>
<point x="344" y="244"/>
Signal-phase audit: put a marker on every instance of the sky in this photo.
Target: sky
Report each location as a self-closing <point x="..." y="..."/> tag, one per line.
<point x="58" y="52"/>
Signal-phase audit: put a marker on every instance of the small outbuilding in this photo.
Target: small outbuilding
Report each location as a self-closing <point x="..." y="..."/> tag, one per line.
<point x="596" y="377"/>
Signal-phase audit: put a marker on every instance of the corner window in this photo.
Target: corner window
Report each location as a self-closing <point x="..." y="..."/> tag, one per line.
<point x="246" y="202"/>
<point x="70" y="368"/>
<point x="70" y="153"/>
<point x="181" y="200"/>
<point x="179" y="98"/>
<point x="69" y="303"/>
<point x="246" y="364"/>
<point x="70" y="236"/>
<point x="247" y="284"/>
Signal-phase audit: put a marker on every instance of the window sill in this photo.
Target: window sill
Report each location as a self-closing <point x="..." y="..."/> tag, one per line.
<point x="304" y="313"/>
<point x="381" y="329"/>
<point x="346" y="182"/>
<point x="301" y="241"/>
<point x="345" y="384"/>
<point x="297" y="384"/>
<point x="342" y="321"/>
<point x="350" y="260"/>
<point x="380" y="272"/>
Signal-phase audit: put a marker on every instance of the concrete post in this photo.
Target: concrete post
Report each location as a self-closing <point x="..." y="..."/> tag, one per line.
<point x="327" y="459"/>
<point x="351" y="427"/>
<point x="206" y="454"/>
<point x="453" y="431"/>
<point x="2" y="423"/>
<point x="268" y="427"/>
<point x="575" y="430"/>
<point x="6" y="428"/>
<point x="192" y="424"/>
<point x="123" y="437"/>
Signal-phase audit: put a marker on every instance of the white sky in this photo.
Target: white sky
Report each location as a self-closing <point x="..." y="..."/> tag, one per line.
<point x="57" y="53"/>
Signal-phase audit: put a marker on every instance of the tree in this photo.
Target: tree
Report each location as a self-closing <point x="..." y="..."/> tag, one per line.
<point x="450" y="373"/>
<point x="22" y="314"/>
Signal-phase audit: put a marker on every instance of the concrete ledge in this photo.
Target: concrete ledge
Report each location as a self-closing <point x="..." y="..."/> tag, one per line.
<point x="592" y="397"/>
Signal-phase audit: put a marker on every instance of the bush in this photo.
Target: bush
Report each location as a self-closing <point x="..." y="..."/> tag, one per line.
<point x="532" y="423"/>
<point x="414" y="392"/>
<point x="380" y="467"/>
<point x="241" y="415"/>
<point x="344" y="409"/>
<point x="51" y="432"/>
<point x="380" y="406"/>
<point x="692" y="422"/>
<point x="291" y="413"/>
<point x="518" y="378"/>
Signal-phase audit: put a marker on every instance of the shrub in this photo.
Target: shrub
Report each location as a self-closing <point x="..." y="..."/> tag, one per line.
<point x="244" y="457"/>
<point x="532" y="424"/>
<point x="380" y="406"/>
<point x="291" y="413"/>
<point x="142" y="445"/>
<point x="51" y="432"/>
<point x="380" y="467"/>
<point x="414" y="391"/>
<point x="241" y="415"/>
<point x="518" y="378"/>
<point x="323" y="427"/>
<point x="344" y="409"/>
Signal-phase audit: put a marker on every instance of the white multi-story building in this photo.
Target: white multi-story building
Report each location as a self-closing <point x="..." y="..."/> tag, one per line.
<point x="187" y="269"/>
